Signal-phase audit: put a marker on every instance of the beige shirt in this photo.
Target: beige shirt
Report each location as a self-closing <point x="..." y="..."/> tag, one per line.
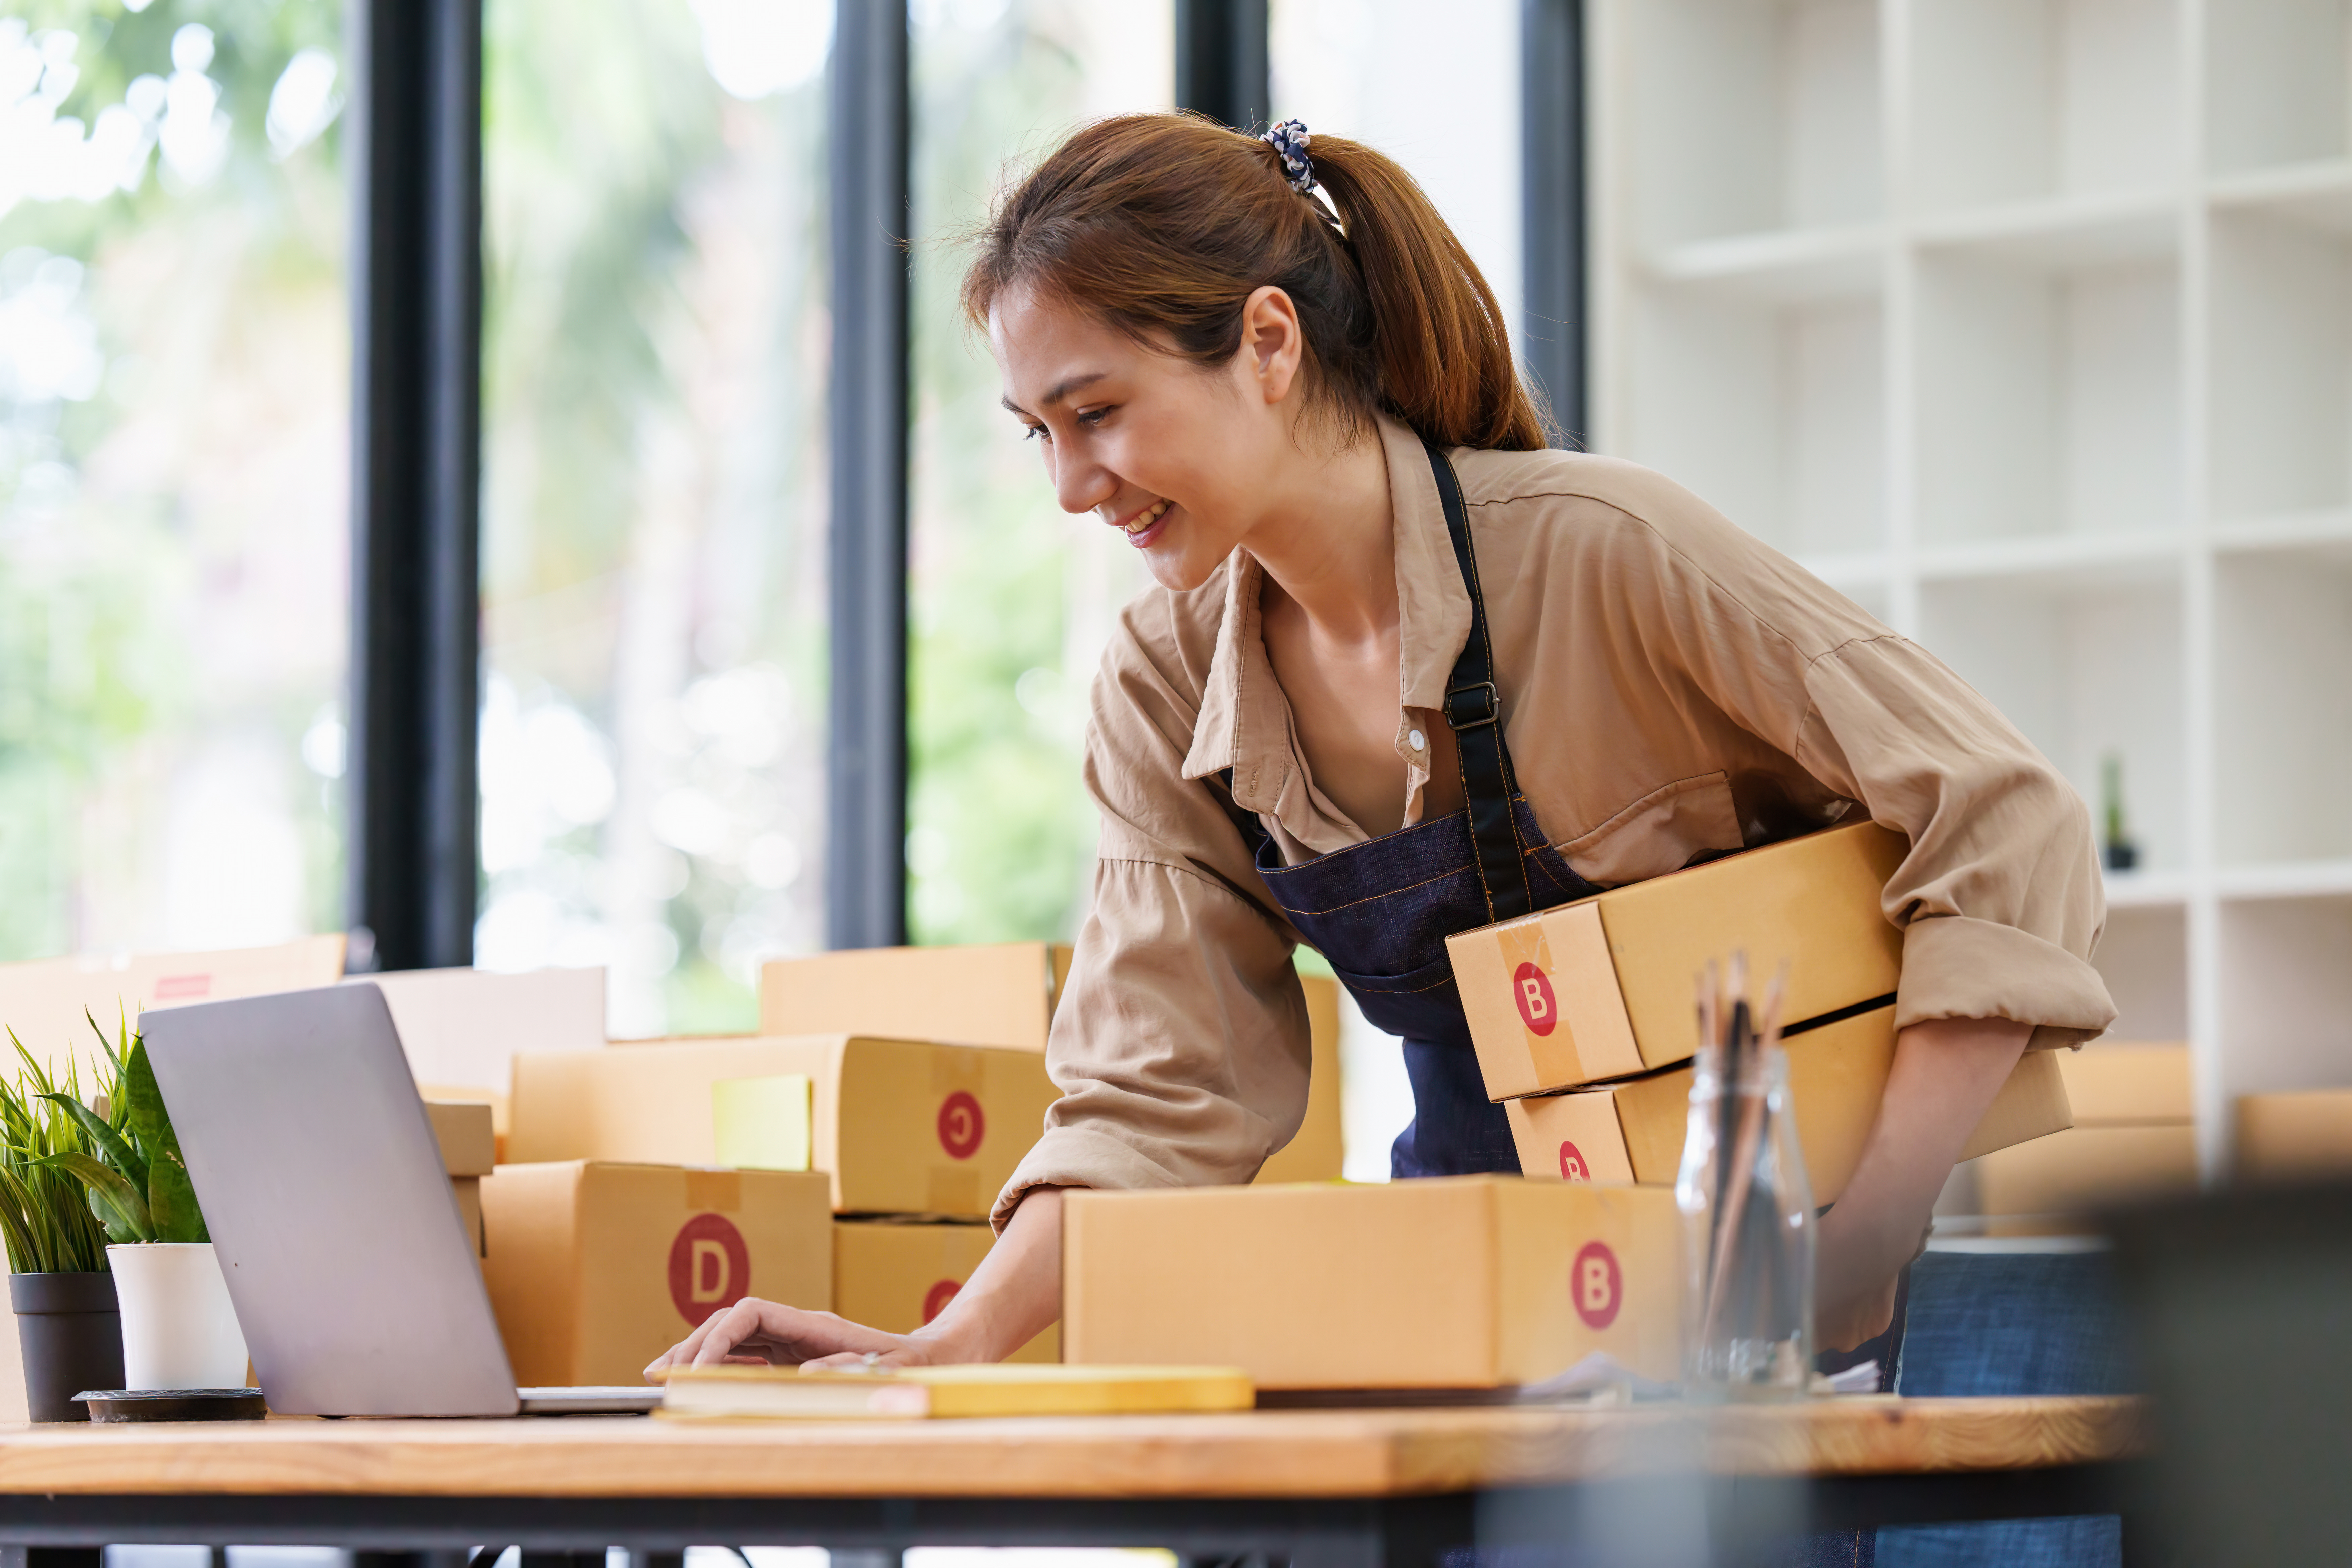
<point x="1671" y="688"/>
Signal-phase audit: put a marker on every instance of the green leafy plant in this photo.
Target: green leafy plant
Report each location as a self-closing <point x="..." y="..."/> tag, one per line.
<point x="138" y="1184"/>
<point x="46" y="1217"/>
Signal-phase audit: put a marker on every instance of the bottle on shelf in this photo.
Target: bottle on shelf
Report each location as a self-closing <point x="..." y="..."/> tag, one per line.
<point x="2120" y="852"/>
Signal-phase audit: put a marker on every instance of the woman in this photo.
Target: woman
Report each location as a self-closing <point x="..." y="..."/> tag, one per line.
<point x="1280" y="403"/>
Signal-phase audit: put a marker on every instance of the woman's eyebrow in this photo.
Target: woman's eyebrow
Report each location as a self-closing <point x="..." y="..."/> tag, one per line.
<point x="1061" y="389"/>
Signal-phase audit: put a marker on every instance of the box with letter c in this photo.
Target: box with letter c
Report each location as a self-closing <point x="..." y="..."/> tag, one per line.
<point x="901" y="1128"/>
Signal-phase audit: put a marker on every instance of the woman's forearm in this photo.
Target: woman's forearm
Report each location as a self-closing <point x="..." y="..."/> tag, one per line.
<point x="1946" y="1074"/>
<point x="1014" y="1295"/>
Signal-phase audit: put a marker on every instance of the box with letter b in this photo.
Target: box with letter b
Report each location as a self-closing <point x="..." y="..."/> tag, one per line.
<point x="1601" y="988"/>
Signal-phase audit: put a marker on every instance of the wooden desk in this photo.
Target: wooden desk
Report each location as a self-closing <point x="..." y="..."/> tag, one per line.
<point x="1359" y="1486"/>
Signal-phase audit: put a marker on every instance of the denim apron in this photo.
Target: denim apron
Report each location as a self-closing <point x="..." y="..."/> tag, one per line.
<point x="1379" y="913"/>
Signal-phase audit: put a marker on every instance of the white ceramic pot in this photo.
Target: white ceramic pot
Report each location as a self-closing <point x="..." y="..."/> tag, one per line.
<point x="179" y="1327"/>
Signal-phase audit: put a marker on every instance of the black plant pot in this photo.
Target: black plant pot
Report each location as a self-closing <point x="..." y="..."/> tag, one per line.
<point x="71" y="1333"/>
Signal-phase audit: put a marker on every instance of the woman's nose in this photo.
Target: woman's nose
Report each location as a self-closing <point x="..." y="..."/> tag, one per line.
<point x="1081" y="486"/>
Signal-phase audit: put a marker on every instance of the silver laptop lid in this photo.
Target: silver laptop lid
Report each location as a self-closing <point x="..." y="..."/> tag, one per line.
<point x="354" y="1277"/>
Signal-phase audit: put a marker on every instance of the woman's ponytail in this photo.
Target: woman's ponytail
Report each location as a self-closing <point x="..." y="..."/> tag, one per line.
<point x="1444" y="356"/>
<point x="1163" y="224"/>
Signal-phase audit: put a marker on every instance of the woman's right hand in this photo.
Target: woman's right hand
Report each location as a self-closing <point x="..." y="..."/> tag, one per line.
<point x="753" y="1332"/>
<point x="1009" y="1299"/>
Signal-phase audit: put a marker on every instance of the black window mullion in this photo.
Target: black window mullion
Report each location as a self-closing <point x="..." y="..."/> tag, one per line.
<point x="1222" y="60"/>
<point x="1552" y="340"/>
<point x="413" y="155"/>
<point x="866" y="766"/>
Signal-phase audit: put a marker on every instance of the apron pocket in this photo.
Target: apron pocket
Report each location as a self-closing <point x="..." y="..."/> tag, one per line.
<point x="1420" y="1005"/>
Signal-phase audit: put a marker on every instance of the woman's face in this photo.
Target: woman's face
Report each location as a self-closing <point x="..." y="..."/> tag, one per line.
<point x="1179" y="458"/>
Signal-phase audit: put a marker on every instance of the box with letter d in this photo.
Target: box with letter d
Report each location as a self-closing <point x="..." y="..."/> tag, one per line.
<point x="595" y="1267"/>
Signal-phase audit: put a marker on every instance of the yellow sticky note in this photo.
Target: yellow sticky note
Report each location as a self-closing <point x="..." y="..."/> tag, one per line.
<point x="763" y="1123"/>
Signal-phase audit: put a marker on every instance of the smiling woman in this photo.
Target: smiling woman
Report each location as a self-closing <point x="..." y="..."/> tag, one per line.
<point x="1405" y="671"/>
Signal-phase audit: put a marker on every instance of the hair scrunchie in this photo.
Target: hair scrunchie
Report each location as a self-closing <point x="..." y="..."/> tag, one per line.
<point x="1288" y="139"/>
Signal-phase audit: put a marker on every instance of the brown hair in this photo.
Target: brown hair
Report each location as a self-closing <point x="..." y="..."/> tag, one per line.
<point x="1163" y="224"/>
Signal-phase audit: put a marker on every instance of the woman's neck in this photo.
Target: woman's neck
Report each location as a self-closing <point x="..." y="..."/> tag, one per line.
<point x="1327" y="538"/>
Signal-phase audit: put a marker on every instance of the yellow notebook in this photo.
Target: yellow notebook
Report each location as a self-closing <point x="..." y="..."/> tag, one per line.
<point x="787" y="1393"/>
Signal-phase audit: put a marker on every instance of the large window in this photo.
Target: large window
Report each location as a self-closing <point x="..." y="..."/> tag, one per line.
<point x="1010" y="599"/>
<point x="174" y="437"/>
<point x="653" y="370"/>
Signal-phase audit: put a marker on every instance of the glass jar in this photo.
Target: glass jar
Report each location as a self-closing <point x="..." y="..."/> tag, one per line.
<point x="1747" y="1234"/>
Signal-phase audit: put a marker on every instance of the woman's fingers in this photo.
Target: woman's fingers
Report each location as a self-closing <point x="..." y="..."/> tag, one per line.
<point x="682" y="1353"/>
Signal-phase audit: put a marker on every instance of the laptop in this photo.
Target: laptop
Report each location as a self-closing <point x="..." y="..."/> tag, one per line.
<point x="353" y="1272"/>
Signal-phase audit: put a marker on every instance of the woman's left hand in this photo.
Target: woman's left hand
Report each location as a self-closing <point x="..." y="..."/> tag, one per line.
<point x="1946" y="1073"/>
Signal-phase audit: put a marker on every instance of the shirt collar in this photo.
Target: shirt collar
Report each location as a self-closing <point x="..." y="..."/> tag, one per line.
<point x="1244" y="722"/>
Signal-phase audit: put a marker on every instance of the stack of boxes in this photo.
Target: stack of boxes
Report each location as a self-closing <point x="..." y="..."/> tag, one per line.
<point x="2133" y="1138"/>
<point x="846" y="1157"/>
<point x="1585" y="1020"/>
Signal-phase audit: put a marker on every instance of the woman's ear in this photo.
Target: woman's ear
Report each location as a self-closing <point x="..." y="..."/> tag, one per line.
<point x="1272" y="341"/>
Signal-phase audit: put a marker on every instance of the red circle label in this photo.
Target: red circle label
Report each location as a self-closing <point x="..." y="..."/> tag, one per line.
<point x="1596" y="1285"/>
<point x="710" y="1268"/>
<point x="1572" y="1167"/>
<point x="936" y="1299"/>
<point x="1531" y="989"/>
<point x="962" y="1126"/>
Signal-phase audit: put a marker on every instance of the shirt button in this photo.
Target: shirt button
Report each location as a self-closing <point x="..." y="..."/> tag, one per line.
<point x="1417" y="738"/>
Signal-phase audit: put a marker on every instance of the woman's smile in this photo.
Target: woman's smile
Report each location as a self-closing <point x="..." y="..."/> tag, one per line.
<point x="1142" y="525"/>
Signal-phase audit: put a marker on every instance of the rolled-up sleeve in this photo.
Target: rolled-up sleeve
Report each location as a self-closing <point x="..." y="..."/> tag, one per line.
<point x="2000" y="898"/>
<point x="1181" y="1042"/>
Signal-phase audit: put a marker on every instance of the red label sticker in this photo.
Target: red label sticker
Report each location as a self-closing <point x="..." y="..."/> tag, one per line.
<point x="1531" y="989"/>
<point x="962" y="1126"/>
<point x="180" y="987"/>
<point x="710" y="1268"/>
<point x="936" y="1299"/>
<point x="1572" y="1167"/>
<point x="1597" y="1285"/>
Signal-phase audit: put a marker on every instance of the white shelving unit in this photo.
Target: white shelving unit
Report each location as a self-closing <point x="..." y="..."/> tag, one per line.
<point x="2028" y="323"/>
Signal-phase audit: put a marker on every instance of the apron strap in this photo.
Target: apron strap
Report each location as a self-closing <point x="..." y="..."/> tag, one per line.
<point x="1473" y="712"/>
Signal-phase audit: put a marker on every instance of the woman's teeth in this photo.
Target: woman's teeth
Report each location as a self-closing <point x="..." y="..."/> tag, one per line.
<point x="1148" y="516"/>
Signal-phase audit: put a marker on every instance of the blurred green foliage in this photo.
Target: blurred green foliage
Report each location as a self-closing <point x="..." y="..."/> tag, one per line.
<point x="100" y="585"/>
<point x="1001" y="823"/>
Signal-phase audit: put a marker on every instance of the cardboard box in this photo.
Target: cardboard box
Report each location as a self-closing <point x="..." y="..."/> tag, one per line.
<point x="1319" y="1151"/>
<point x="468" y="1152"/>
<point x="461" y="1028"/>
<point x="1603" y="988"/>
<point x="903" y="1127"/>
<point x="1458" y="1283"/>
<point x="2119" y="1083"/>
<point x="1004" y="996"/>
<point x="465" y="1131"/>
<point x="2083" y="1170"/>
<point x="898" y="1274"/>
<point x="1633" y="1131"/>
<point x="44" y="1001"/>
<point x="2294" y="1137"/>
<point x="596" y="1267"/>
<point x="1001" y="996"/>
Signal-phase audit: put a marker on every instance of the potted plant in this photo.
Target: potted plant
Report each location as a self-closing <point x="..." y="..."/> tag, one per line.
<point x="179" y="1327"/>
<point x="67" y="1324"/>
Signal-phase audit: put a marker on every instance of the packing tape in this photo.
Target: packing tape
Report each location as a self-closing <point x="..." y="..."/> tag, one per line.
<point x="957" y="1066"/>
<point x="954" y="1190"/>
<point x="719" y="1192"/>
